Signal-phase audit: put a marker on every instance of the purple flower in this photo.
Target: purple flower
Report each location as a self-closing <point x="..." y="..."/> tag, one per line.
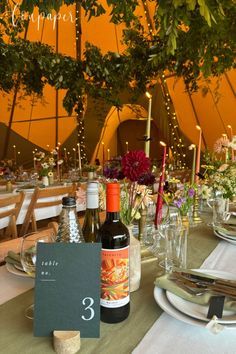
<point x="179" y="202"/>
<point x="191" y="192"/>
<point x="112" y="169"/>
<point x="146" y="179"/>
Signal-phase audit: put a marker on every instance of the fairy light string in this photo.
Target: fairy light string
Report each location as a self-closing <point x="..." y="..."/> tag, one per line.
<point x="82" y="99"/>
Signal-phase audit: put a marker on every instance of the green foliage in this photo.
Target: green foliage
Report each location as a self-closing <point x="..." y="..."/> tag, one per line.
<point x="193" y="38"/>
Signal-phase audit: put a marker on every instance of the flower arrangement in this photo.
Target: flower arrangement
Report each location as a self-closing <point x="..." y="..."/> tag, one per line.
<point x="90" y="168"/>
<point x="47" y="162"/>
<point x="182" y="198"/>
<point x="219" y="174"/>
<point x="7" y="166"/>
<point x="133" y="170"/>
<point x="224" y="180"/>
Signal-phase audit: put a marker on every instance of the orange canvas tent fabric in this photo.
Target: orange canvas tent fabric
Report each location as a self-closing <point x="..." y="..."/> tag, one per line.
<point x="44" y="122"/>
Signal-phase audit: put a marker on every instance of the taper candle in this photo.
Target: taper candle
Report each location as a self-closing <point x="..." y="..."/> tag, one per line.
<point x="108" y="154"/>
<point x="14" y="152"/>
<point x="103" y="153"/>
<point x="231" y="139"/>
<point x="34" y="160"/>
<point x="193" y="147"/>
<point x="158" y="215"/>
<point x="79" y="156"/>
<point x="74" y="150"/>
<point x="127" y="146"/>
<point x="198" y="161"/>
<point x="148" y="126"/>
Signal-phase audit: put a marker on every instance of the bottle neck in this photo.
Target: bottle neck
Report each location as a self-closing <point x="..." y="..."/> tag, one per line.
<point x="112" y="215"/>
<point x="92" y="201"/>
<point x="69" y="208"/>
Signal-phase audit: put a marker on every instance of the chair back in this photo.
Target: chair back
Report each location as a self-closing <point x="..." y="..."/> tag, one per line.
<point x="48" y="198"/>
<point x="9" y="210"/>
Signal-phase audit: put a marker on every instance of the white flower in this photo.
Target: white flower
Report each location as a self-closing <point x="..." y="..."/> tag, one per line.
<point x="205" y="191"/>
<point x="45" y="165"/>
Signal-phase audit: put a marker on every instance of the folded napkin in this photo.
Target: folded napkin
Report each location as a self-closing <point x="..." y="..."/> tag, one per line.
<point x="13" y="258"/>
<point x="166" y="283"/>
<point x="226" y="230"/>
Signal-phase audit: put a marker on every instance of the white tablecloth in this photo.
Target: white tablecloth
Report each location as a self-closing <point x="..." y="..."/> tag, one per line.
<point x="12" y="285"/>
<point x="42" y="213"/>
<point x="169" y="335"/>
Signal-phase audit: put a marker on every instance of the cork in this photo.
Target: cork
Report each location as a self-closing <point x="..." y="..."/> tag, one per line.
<point x="66" y="342"/>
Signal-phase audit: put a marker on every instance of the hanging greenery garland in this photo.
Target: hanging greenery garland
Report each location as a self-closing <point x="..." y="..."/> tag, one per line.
<point x="192" y="38"/>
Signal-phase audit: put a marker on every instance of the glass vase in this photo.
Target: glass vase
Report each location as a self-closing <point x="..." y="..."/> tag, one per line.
<point x="45" y="181"/>
<point x="134" y="261"/>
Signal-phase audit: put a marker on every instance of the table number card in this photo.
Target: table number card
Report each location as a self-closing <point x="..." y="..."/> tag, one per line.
<point x="67" y="289"/>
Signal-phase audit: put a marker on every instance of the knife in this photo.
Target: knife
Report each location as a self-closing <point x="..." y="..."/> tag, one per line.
<point x="200" y="288"/>
<point x="197" y="276"/>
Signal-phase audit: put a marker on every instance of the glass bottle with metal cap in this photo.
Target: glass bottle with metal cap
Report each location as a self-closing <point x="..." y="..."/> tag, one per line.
<point x="69" y="227"/>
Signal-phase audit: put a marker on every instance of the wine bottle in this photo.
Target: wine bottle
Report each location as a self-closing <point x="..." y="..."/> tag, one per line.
<point x="91" y="223"/>
<point x="114" y="236"/>
<point x="69" y="227"/>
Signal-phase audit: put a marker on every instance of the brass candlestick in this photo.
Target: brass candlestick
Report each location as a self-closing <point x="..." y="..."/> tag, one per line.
<point x="196" y="218"/>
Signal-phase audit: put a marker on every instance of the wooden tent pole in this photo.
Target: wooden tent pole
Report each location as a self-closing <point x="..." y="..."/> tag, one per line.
<point x="57" y="100"/>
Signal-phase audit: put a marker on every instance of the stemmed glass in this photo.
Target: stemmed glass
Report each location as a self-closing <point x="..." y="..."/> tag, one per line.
<point x="28" y="256"/>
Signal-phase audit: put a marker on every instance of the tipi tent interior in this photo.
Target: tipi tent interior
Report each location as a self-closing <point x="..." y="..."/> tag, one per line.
<point x="27" y="122"/>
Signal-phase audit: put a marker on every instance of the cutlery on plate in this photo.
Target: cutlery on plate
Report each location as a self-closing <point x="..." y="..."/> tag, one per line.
<point x="199" y="277"/>
<point x="202" y="286"/>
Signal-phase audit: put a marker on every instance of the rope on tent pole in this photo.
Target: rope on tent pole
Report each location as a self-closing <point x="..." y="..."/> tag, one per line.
<point x="217" y="109"/>
<point x="196" y="116"/>
<point x="229" y="83"/>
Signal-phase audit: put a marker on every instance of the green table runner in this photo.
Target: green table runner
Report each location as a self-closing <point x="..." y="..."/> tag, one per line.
<point x="16" y="331"/>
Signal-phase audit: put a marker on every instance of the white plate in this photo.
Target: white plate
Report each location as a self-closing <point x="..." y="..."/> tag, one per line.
<point x="228" y="239"/>
<point x="198" y="311"/>
<point x="12" y="269"/>
<point x="163" y="302"/>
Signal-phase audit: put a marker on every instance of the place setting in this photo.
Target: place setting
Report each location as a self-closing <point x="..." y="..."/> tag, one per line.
<point x="13" y="264"/>
<point x="223" y="220"/>
<point x="200" y="297"/>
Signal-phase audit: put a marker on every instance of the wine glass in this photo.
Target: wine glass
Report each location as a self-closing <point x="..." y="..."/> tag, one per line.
<point x="28" y="256"/>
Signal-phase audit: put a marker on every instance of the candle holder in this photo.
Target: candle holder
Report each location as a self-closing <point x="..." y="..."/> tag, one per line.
<point x="196" y="219"/>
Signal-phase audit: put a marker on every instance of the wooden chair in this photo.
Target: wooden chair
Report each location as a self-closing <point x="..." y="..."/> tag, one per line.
<point x="9" y="208"/>
<point x="44" y="198"/>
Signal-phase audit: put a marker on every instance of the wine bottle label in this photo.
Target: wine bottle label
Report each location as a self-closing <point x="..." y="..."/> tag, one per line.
<point x="115" y="277"/>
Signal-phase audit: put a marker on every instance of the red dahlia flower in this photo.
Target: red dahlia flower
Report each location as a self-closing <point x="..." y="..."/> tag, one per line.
<point x="134" y="164"/>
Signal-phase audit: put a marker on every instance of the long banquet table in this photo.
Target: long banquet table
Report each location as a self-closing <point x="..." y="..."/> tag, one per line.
<point x="16" y="331"/>
<point x="42" y="213"/>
